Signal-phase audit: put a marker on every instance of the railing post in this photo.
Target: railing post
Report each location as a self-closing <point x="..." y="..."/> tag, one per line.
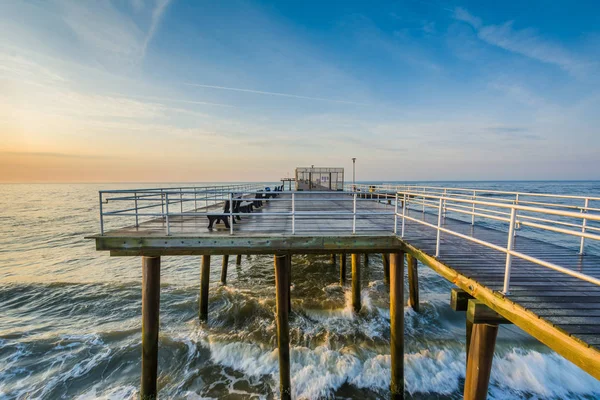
<point x="473" y="210"/>
<point x="583" y="226"/>
<point x="162" y="203"/>
<point x="509" y="248"/>
<point x="167" y="215"/>
<point x="354" y="215"/>
<point x="195" y="199"/>
<point x="136" y="209"/>
<point x="439" y="225"/>
<point x="396" y="215"/>
<point x="403" y="213"/>
<point x="444" y="207"/>
<point x="231" y="213"/>
<point x="293" y="213"/>
<point x="101" y="214"/>
<point x="181" y="200"/>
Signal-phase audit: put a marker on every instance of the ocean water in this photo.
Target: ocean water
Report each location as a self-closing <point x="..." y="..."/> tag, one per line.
<point x="70" y="323"/>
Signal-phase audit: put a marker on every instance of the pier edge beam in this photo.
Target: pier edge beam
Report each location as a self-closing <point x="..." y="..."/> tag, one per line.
<point x="204" y="282"/>
<point x="282" y="287"/>
<point x="356" y="304"/>
<point x="385" y="258"/>
<point x="342" y="269"/>
<point x="224" y="269"/>
<point x="150" y="326"/>
<point x="397" y="324"/>
<point x="413" y="282"/>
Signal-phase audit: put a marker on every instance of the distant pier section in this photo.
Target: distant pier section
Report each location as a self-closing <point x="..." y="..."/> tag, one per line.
<point x="528" y="259"/>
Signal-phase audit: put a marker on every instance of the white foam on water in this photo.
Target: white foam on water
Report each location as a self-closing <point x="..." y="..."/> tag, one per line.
<point x="545" y="374"/>
<point x="115" y="393"/>
<point x="319" y="372"/>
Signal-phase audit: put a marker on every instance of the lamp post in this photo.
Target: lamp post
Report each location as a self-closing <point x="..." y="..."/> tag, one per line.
<point x="354" y="174"/>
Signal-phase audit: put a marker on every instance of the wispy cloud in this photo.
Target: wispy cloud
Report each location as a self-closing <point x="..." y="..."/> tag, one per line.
<point x="295" y="96"/>
<point x="526" y="42"/>
<point x="157" y="14"/>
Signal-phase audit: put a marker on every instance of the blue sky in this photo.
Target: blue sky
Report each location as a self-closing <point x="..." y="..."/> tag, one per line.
<point x="178" y="90"/>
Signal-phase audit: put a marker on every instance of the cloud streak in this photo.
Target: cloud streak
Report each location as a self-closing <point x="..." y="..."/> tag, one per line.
<point x="526" y="42"/>
<point x="262" y="92"/>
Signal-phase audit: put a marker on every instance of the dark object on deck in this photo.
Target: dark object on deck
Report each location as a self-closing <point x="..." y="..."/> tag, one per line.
<point x="220" y="217"/>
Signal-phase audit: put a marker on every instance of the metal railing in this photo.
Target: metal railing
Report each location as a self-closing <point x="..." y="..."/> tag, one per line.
<point x="514" y="212"/>
<point x="190" y="203"/>
<point x="554" y="216"/>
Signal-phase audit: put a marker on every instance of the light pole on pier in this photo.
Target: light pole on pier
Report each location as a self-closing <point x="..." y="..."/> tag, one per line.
<point x="354" y="174"/>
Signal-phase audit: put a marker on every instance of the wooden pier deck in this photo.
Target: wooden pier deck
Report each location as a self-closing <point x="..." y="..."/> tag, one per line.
<point x="559" y="310"/>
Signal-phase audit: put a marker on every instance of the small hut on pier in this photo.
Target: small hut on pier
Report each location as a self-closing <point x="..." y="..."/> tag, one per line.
<point x="319" y="178"/>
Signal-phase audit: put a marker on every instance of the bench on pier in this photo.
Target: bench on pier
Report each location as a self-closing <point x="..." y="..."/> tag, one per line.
<point x="241" y="204"/>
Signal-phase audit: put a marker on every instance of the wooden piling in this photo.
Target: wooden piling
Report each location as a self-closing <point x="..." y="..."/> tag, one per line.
<point x="413" y="282"/>
<point x="289" y="262"/>
<point x="479" y="364"/>
<point x="385" y="258"/>
<point x="342" y="269"/>
<point x="356" y="282"/>
<point x="282" y="286"/>
<point x="397" y="324"/>
<point x="150" y="324"/>
<point x="224" y="269"/>
<point x="204" y="282"/>
<point x="332" y="260"/>
<point x="238" y="260"/>
<point x="366" y="262"/>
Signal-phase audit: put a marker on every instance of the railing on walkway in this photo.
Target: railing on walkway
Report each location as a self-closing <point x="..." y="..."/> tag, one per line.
<point x="563" y="215"/>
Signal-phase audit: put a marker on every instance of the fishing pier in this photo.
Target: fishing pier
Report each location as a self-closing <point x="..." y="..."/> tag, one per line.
<point x="528" y="259"/>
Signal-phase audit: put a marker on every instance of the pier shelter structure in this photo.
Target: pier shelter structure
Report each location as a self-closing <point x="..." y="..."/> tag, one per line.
<point x="528" y="259"/>
<point x="319" y="178"/>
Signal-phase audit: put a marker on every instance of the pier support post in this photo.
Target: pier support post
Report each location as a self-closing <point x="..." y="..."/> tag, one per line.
<point x="385" y="258"/>
<point x="282" y="286"/>
<point x="238" y="260"/>
<point x="366" y="259"/>
<point x="356" y="282"/>
<point x="332" y="260"/>
<point x="479" y="364"/>
<point x="397" y="324"/>
<point x="413" y="282"/>
<point x="150" y="324"/>
<point x="224" y="269"/>
<point x="342" y="269"/>
<point x="204" y="282"/>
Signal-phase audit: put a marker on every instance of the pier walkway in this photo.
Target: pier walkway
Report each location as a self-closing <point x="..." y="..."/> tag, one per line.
<point x="546" y="280"/>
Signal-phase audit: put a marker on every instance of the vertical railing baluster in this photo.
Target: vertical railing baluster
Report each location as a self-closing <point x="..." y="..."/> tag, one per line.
<point x="137" y="224"/>
<point x="396" y="215"/>
<point x="181" y="200"/>
<point x="167" y="213"/>
<point x="473" y="210"/>
<point x="403" y="214"/>
<point x="583" y="226"/>
<point x="231" y="213"/>
<point x="293" y="213"/>
<point x="509" y="249"/>
<point x="101" y="215"/>
<point x="354" y="215"/>
<point x="439" y="225"/>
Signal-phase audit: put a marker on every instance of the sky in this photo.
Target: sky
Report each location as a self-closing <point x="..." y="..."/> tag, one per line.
<point x="199" y="91"/>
